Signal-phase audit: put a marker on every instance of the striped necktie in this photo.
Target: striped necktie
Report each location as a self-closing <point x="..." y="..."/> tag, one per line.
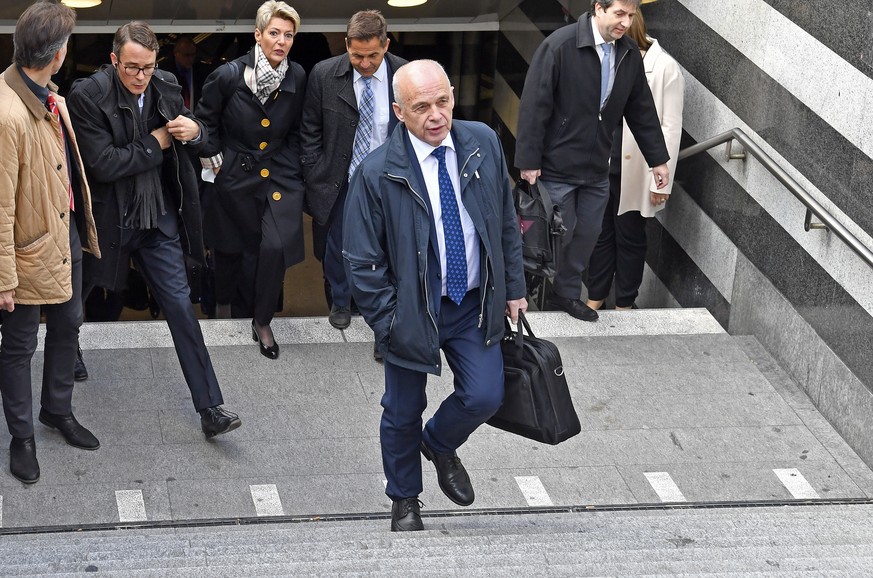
<point x="364" y="132"/>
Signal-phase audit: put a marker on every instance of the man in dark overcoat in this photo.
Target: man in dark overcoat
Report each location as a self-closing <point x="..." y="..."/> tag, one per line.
<point x="583" y="79"/>
<point x="133" y="129"/>
<point x="331" y="124"/>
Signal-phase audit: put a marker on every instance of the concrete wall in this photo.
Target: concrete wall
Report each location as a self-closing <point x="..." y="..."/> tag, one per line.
<point x="798" y="78"/>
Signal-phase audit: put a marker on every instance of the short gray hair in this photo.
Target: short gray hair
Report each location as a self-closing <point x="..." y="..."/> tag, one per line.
<point x="40" y="32"/>
<point x="408" y="69"/>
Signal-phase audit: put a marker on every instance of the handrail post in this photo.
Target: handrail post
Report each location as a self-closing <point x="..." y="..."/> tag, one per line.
<point x="808" y="224"/>
<point x="734" y="156"/>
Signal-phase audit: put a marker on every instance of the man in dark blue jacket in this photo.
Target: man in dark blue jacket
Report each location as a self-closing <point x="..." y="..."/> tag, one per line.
<point x="433" y="253"/>
<point x="583" y="79"/>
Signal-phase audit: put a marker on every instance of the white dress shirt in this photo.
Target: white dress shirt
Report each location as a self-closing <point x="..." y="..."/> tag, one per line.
<point x="381" y="104"/>
<point x="598" y="43"/>
<point x="429" y="170"/>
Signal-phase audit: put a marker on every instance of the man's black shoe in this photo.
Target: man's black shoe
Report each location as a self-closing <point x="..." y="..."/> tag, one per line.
<point x="340" y="317"/>
<point x="451" y="475"/>
<point x="22" y="459"/>
<point x="80" y="372"/>
<point x="217" y="420"/>
<point x="74" y="433"/>
<point x="406" y="515"/>
<point x="575" y="307"/>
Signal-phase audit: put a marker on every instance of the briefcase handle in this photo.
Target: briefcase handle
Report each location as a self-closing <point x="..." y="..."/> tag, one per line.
<point x="518" y="335"/>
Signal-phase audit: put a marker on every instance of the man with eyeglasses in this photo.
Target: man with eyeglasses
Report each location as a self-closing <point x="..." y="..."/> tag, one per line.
<point x="134" y="129"/>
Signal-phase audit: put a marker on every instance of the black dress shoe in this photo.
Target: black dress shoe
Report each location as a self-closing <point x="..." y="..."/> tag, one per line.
<point x="22" y="459"/>
<point x="340" y="317"/>
<point x="80" y="372"/>
<point x="272" y="351"/>
<point x="575" y="307"/>
<point x="406" y="515"/>
<point x="217" y="420"/>
<point x="451" y="475"/>
<point x="74" y="433"/>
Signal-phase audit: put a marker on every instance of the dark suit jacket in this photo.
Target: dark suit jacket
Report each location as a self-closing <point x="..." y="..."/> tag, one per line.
<point x="327" y="131"/>
<point x="200" y="72"/>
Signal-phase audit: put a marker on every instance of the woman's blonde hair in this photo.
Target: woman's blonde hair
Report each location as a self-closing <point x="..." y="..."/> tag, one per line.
<point x="275" y="9"/>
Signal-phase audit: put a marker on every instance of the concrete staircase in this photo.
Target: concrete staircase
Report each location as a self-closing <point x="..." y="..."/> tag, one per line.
<point x="787" y="541"/>
<point x="687" y="431"/>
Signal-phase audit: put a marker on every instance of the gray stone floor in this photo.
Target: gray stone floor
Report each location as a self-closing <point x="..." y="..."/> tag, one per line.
<point x="663" y="391"/>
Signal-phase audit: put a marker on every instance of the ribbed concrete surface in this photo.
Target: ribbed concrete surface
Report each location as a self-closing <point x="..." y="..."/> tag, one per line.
<point x="672" y="408"/>
<point x="787" y="541"/>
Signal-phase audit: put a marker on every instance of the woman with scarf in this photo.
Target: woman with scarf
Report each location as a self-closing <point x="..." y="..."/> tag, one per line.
<point x="253" y="213"/>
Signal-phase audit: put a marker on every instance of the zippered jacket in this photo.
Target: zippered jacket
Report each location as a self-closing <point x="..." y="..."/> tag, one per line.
<point x="561" y="129"/>
<point x="388" y="244"/>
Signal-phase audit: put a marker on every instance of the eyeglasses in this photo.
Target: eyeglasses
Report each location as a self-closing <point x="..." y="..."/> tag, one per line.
<point x="131" y="70"/>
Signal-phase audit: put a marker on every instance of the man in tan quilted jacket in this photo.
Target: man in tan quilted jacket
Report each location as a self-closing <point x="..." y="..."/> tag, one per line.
<point x="44" y="203"/>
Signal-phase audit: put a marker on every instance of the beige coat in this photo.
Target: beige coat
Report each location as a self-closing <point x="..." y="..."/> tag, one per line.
<point x="668" y="87"/>
<point x="34" y="200"/>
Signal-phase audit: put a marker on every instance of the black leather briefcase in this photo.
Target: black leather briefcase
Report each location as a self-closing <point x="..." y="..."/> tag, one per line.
<point x="536" y="403"/>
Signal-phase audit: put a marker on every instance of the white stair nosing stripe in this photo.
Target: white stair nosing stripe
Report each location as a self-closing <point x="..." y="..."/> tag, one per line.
<point x="796" y="484"/>
<point x="131" y="506"/>
<point x="266" y="500"/>
<point x="534" y="492"/>
<point x="665" y="487"/>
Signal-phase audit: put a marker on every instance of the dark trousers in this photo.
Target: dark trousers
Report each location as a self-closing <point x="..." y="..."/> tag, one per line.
<point x="582" y="211"/>
<point x="159" y="259"/>
<point x="253" y="280"/>
<point x="620" y="253"/>
<point x="478" y="394"/>
<point x="18" y="343"/>
<point x="334" y="268"/>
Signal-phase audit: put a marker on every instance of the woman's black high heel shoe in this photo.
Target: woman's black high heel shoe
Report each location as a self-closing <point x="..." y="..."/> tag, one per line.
<point x="272" y="352"/>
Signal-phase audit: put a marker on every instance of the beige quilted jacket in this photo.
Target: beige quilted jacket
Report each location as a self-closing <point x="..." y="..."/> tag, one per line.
<point x="34" y="203"/>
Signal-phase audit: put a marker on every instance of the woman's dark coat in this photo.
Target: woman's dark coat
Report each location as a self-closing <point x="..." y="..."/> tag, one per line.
<point x="260" y="144"/>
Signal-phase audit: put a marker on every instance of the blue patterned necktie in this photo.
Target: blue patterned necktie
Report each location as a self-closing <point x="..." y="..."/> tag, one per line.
<point x="605" y="71"/>
<point x="364" y="132"/>
<point x="456" y="254"/>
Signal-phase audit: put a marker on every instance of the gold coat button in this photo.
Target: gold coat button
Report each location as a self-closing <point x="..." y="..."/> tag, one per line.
<point x="263" y="145"/>
<point x="277" y="196"/>
<point x="265" y="123"/>
<point x="265" y="173"/>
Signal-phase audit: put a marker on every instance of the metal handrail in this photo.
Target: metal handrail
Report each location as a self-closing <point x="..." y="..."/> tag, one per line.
<point x="813" y="207"/>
